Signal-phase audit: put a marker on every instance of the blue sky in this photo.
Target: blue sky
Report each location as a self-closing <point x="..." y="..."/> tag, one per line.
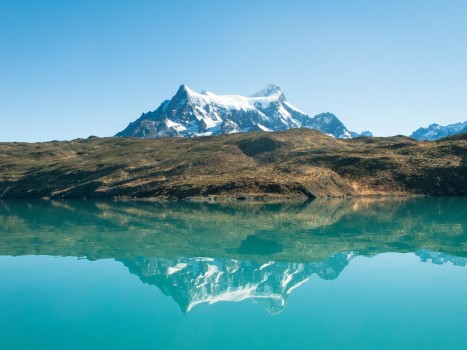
<point x="73" y="68"/>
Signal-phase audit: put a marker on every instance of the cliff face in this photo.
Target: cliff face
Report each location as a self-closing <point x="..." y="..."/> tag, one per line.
<point x="297" y="163"/>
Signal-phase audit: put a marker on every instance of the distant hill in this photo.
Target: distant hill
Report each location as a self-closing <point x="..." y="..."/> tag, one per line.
<point x="297" y="163"/>
<point x="436" y="131"/>
<point x="190" y="114"/>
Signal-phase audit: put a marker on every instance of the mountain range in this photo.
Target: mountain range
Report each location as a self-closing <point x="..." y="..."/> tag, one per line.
<point x="436" y="131"/>
<point x="189" y="114"/>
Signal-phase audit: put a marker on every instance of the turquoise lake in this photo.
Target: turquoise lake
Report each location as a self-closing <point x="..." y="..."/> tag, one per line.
<point x="324" y="274"/>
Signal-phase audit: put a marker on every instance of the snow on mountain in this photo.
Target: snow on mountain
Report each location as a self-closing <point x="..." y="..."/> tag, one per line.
<point x="190" y="114"/>
<point x="436" y="131"/>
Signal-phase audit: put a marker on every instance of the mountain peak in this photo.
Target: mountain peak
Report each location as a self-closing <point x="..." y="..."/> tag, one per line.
<point x="269" y="90"/>
<point x="184" y="90"/>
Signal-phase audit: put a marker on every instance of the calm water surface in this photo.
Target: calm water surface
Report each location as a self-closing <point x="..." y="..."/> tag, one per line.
<point x="356" y="274"/>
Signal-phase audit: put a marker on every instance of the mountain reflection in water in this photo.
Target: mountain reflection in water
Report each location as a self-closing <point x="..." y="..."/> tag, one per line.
<point x="209" y="252"/>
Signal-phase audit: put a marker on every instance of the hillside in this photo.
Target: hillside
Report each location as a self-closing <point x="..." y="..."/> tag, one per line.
<point x="296" y="163"/>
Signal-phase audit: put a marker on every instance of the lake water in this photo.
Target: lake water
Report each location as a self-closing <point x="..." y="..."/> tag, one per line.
<point x="325" y="274"/>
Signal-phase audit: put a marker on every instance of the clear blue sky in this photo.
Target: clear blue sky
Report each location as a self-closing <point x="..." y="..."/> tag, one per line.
<point x="76" y="68"/>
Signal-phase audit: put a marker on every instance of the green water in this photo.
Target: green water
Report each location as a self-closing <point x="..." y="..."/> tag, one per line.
<point x="354" y="274"/>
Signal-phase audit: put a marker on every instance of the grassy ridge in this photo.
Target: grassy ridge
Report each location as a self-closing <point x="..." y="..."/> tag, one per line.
<point x="290" y="164"/>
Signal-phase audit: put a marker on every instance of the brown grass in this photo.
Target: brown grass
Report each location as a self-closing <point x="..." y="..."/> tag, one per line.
<point x="297" y="163"/>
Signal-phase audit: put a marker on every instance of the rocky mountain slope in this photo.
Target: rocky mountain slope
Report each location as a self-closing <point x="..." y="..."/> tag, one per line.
<point x="436" y="131"/>
<point x="298" y="163"/>
<point x="190" y="114"/>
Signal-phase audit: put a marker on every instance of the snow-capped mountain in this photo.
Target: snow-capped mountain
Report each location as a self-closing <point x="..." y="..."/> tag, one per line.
<point x="196" y="280"/>
<point x="190" y="114"/>
<point x="436" y="131"/>
<point x="331" y="125"/>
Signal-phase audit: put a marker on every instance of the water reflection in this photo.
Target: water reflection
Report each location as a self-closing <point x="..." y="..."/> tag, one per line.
<point x="193" y="281"/>
<point x="204" y="253"/>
